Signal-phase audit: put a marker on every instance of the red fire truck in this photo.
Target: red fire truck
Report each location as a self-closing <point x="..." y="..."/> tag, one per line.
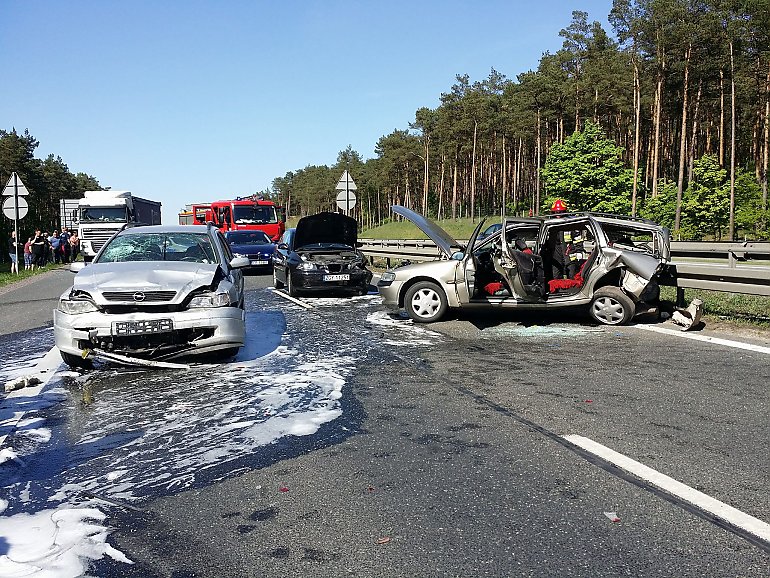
<point x="251" y="213"/>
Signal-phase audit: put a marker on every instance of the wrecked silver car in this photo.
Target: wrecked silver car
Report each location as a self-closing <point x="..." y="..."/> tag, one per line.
<point x="607" y="263"/>
<point x="154" y="293"/>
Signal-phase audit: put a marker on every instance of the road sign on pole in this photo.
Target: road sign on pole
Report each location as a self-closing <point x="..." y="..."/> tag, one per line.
<point x="14" y="186"/>
<point x="11" y="204"/>
<point x="15" y="206"/>
<point x="346" y="198"/>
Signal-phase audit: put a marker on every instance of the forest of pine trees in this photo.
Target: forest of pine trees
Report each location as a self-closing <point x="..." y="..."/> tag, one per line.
<point x="668" y="112"/>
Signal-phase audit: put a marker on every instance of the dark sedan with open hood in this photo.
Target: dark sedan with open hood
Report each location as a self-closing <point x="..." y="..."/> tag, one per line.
<point x="321" y="254"/>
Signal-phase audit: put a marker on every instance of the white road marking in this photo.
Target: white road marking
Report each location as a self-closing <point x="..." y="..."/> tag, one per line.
<point x="290" y="298"/>
<point x="703" y="501"/>
<point x="706" y="338"/>
<point x="44" y="371"/>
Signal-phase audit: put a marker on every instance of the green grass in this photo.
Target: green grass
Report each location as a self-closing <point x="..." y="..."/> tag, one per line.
<point x="458" y="228"/>
<point x="6" y="278"/>
<point x="749" y="309"/>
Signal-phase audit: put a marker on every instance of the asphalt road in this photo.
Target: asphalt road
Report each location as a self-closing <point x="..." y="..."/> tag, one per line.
<point x="446" y="456"/>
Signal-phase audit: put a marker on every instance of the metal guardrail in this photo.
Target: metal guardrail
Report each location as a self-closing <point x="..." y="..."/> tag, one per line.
<point x="729" y="277"/>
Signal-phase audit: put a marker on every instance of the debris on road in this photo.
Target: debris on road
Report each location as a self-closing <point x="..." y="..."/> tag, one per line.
<point x="125" y="360"/>
<point x="690" y="317"/>
<point x="612" y="516"/>
<point x="383" y="540"/>
<point x="20" y="383"/>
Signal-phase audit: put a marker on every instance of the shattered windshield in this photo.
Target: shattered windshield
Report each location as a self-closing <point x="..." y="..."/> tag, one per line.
<point x="190" y="247"/>
<point x="254" y="215"/>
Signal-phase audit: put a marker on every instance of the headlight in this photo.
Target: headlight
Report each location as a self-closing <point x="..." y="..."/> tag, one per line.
<point x="210" y="300"/>
<point x="305" y="266"/>
<point x="388" y="277"/>
<point x="77" y="307"/>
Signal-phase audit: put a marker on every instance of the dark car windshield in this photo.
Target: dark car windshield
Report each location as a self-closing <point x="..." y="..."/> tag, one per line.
<point x="103" y="215"/>
<point x="254" y="214"/>
<point x="248" y="238"/>
<point x="191" y="247"/>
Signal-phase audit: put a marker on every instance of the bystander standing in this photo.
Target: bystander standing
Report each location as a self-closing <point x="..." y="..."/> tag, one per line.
<point x="13" y="252"/>
<point x="38" y="250"/>
<point x="64" y="243"/>
<point x="28" y="254"/>
<point x="74" y="246"/>
<point x="55" y="242"/>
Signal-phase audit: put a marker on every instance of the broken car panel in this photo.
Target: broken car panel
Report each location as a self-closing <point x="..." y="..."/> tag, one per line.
<point x="607" y="263"/>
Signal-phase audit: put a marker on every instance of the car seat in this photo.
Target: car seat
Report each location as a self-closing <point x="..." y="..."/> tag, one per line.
<point x="195" y="253"/>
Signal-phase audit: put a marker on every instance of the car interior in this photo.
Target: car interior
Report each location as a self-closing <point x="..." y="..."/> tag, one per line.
<point x="526" y="271"/>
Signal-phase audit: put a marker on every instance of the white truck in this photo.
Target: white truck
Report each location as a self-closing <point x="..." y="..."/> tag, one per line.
<point x="102" y="213"/>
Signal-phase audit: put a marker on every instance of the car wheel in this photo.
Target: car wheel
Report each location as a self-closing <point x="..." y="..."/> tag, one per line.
<point x="425" y="302"/>
<point x="276" y="283"/>
<point x="611" y="306"/>
<point x="76" y="360"/>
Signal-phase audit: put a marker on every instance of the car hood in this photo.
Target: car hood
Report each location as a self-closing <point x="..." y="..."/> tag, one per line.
<point x="443" y="240"/>
<point x="174" y="276"/>
<point x="326" y="228"/>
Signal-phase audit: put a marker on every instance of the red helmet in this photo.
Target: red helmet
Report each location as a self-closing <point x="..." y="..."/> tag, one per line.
<point x="559" y="206"/>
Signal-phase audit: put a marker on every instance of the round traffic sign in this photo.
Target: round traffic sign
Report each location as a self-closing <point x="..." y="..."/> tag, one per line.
<point x="346" y="200"/>
<point x="9" y="207"/>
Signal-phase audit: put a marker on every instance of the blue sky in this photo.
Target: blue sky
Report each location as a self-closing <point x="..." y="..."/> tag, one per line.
<point x="186" y="101"/>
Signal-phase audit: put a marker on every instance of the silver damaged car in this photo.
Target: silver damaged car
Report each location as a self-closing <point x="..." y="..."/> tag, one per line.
<point x="155" y="293"/>
<point x="608" y="264"/>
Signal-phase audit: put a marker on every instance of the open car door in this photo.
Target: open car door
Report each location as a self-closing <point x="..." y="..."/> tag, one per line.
<point x="466" y="286"/>
<point x="519" y="265"/>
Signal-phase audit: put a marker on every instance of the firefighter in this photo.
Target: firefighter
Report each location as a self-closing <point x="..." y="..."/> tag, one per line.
<point x="566" y="247"/>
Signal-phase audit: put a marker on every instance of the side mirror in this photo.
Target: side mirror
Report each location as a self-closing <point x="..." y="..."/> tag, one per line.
<point x="77" y="266"/>
<point x="239" y="262"/>
<point x="458" y="256"/>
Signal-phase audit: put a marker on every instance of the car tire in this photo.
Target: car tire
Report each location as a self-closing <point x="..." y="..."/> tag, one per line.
<point x="76" y="361"/>
<point x="425" y="302"/>
<point x="611" y="306"/>
<point x="276" y="283"/>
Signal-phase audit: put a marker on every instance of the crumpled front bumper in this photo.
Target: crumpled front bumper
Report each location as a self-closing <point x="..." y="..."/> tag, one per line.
<point x="74" y="332"/>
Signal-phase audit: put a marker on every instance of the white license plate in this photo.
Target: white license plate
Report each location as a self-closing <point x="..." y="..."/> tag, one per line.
<point x="260" y="262"/>
<point x="142" y="327"/>
<point x="344" y="277"/>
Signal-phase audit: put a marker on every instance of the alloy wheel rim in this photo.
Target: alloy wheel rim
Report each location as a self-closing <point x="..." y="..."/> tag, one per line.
<point x="425" y="303"/>
<point x="609" y="310"/>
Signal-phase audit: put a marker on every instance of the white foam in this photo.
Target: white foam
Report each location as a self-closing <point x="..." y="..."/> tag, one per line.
<point x="56" y="543"/>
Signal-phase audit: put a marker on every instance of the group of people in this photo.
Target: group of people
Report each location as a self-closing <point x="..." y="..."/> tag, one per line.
<point x="43" y="248"/>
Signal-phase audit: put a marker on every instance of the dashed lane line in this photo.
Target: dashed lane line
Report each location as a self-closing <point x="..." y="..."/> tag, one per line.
<point x="751" y="529"/>
<point x="704" y="502"/>
<point x="706" y="338"/>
